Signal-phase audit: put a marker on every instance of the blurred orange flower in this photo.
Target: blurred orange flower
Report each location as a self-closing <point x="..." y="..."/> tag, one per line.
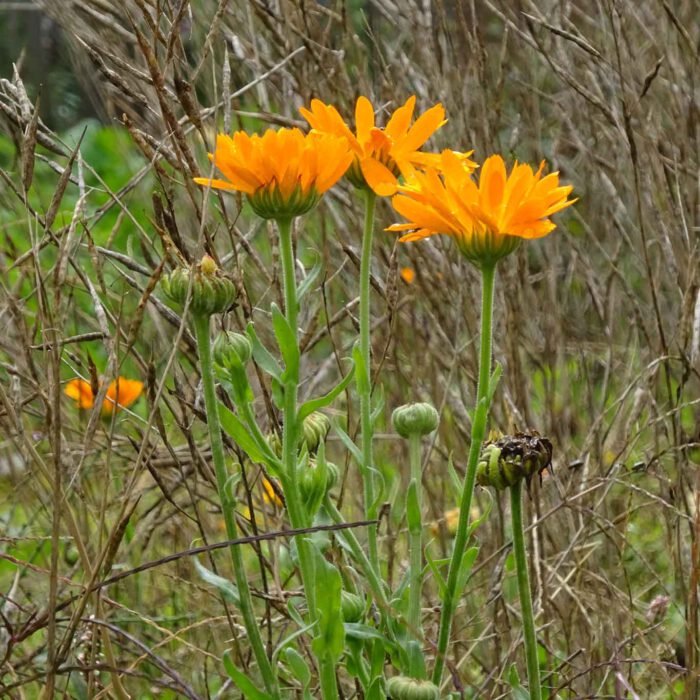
<point x="283" y="172"/>
<point x="408" y="275"/>
<point x="487" y="219"/>
<point x="121" y="393"/>
<point x="270" y="495"/>
<point x="381" y="155"/>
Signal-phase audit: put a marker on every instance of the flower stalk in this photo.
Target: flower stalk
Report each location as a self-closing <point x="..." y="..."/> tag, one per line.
<point x="488" y="275"/>
<point x="416" y="665"/>
<point x="290" y="474"/>
<point x="228" y="504"/>
<point x="530" y="638"/>
<point x="364" y="385"/>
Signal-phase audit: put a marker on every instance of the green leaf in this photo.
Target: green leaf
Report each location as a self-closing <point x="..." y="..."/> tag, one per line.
<point x="377" y="404"/>
<point x="465" y="570"/>
<point x="306" y="409"/>
<point x="457" y="484"/>
<point x="288" y="640"/>
<point x="287" y="341"/>
<point x="308" y="281"/>
<point x="298" y="666"/>
<point x="262" y="356"/>
<point x="433" y="564"/>
<point x="228" y="590"/>
<point x="493" y="382"/>
<point x="331" y="632"/>
<point x="477" y="523"/>
<point x="356" y="630"/>
<point x="234" y="427"/>
<point x="249" y="689"/>
<point x="350" y="446"/>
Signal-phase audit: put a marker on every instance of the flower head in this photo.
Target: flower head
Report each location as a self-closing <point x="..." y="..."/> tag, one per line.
<point x="381" y="155"/>
<point x="283" y="172"/>
<point x="487" y="219"/>
<point x="121" y="393"/>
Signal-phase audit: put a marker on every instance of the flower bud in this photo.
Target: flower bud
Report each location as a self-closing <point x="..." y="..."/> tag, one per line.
<point x="351" y="606"/>
<point x="511" y="458"/>
<point x="212" y="292"/>
<point x="314" y="483"/>
<point x="275" y="443"/>
<point x="415" y="419"/>
<point x="314" y="430"/>
<point x="232" y="349"/>
<point x="404" y="688"/>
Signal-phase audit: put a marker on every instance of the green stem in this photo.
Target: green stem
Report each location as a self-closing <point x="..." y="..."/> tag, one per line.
<point x="228" y="505"/>
<point x="416" y="664"/>
<point x="488" y="274"/>
<point x="365" y="385"/>
<point x="290" y="480"/>
<point x="533" y="669"/>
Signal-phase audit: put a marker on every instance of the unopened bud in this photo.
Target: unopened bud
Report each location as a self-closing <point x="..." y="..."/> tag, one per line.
<point x="404" y="688"/>
<point x="232" y="349"/>
<point x="415" y="419"/>
<point x="212" y="292"/>
<point x="314" y="430"/>
<point x="351" y="606"/>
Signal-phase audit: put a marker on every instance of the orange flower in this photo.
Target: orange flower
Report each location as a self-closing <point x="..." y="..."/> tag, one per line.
<point x="487" y="219"/>
<point x="283" y="173"/>
<point x="121" y="393"/>
<point x="381" y="155"/>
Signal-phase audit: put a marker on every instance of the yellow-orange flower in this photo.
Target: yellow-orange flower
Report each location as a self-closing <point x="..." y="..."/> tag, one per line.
<point x="270" y="494"/>
<point x="283" y="172"/>
<point x="381" y="155"/>
<point x="487" y="219"/>
<point x="121" y="393"/>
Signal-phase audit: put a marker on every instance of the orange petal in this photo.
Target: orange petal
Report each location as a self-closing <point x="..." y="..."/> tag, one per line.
<point x="401" y="119"/>
<point x="364" y="118"/>
<point x="426" y="125"/>
<point x="121" y="393"/>
<point x="79" y="390"/>
<point x="378" y="177"/>
<point x="492" y="181"/>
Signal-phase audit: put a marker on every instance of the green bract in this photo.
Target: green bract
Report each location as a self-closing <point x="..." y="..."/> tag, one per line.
<point x="232" y="349"/>
<point x="415" y="419"/>
<point x="212" y="292"/>
<point x="404" y="688"/>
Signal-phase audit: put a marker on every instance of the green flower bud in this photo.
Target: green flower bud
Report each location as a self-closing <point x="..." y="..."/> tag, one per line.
<point x="510" y="458"/>
<point x="71" y="554"/>
<point x="313" y="483"/>
<point x="415" y="419"/>
<point x="314" y="430"/>
<point x="404" y="688"/>
<point x="232" y="349"/>
<point x="212" y="292"/>
<point x="351" y="606"/>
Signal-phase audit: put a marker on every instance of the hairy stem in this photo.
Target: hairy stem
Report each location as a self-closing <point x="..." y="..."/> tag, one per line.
<point x="228" y="505"/>
<point x="365" y="386"/>
<point x="415" y="526"/>
<point x="533" y="669"/>
<point x="488" y="274"/>
<point x="290" y="480"/>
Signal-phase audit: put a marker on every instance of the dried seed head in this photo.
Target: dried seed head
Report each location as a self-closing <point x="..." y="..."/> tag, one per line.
<point x="510" y="458"/>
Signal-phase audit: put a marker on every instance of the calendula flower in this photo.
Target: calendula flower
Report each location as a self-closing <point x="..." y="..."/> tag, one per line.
<point x="382" y="155"/>
<point x="283" y="172"/>
<point x="487" y="219"/>
<point x="121" y="393"/>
